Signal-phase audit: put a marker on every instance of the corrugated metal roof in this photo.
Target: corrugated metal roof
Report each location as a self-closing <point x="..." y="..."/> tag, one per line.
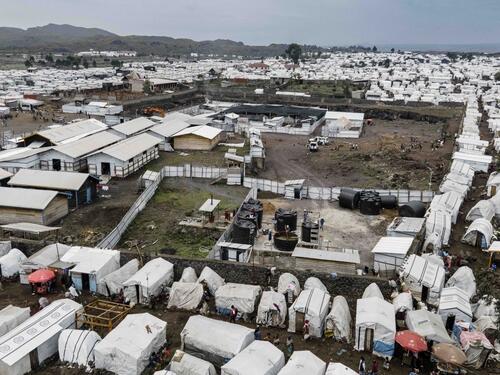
<point x="332" y="256"/>
<point x="48" y="179"/>
<point x="20" y="153"/>
<point x="169" y="128"/>
<point x="134" y="126"/>
<point x="4" y="174"/>
<point x="130" y="147"/>
<point x="29" y="227"/>
<point x="73" y="131"/>
<point x="87" y="145"/>
<point x="393" y="245"/>
<point x="26" y="198"/>
<point x="203" y="131"/>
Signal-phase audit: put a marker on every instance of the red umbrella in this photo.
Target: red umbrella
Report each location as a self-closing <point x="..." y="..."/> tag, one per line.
<point x="411" y="341"/>
<point x="41" y="276"/>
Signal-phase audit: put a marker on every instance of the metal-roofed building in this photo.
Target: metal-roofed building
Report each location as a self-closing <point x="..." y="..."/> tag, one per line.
<point x="78" y="188"/>
<point x="203" y="138"/>
<point x="14" y="159"/>
<point x="134" y="127"/>
<point x="31" y="206"/>
<point x="125" y="157"/>
<point x="166" y="130"/>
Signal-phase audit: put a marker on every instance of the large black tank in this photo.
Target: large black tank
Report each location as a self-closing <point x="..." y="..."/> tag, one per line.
<point x="248" y="216"/>
<point x="370" y="203"/>
<point x="244" y="231"/>
<point x="285" y="218"/>
<point x="349" y="198"/>
<point x="412" y="209"/>
<point x="285" y="241"/>
<point x="255" y="206"/>
<point x="389" y="201"/>
<point x="306" y="230"/>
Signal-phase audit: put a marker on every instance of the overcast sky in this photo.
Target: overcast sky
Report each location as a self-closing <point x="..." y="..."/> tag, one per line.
<point x="321" y="22"/>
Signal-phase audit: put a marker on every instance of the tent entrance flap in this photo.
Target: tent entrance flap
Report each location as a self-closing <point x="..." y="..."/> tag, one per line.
<point x="369" y="333"/>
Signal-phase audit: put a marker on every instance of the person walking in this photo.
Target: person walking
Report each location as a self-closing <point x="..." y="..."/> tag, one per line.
<point x="375" y="367"/>
<point x="362" y="366"/>
<point x="233" y="314"/>
<point x="289" y="346"/>
<point x="305" y="329"/>
<point x="321" y="223"/>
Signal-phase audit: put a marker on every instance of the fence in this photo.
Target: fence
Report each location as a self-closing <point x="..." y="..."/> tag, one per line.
<point x="188" y="170"/>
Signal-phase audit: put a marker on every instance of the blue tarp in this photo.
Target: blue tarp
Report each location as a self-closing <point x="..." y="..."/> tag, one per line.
<point x="383" y="349"/>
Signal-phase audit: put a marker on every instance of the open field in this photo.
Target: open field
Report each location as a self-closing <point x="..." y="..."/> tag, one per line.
<point x="379" y="161"/>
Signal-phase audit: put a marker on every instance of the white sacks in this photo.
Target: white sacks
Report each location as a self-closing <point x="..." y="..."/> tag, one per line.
<point x="77" y="346"/>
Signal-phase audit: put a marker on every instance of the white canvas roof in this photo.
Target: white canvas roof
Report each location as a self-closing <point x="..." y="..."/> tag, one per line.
<point x="449" y="202"/>
<point x="403" y="302"/>
<point x="428" y="325"/>
<point x="332" y="256"/>
<point x="188" y="275"/>
<point x="26" y="198"/>
<point x="88" y="145"/>
<point x="484" y="209"/>
<point x="203" y="131"/>
<point x="36" y="178"/>
<point x="77" y="346"/>
<point x="339" y="320"/>
<point x="272" y="309"/>
<point x="258" y="358"/>
<point x="184" y="363"/>
<point x="185" y="296"/>
<point x="4" y="174"/>
<point x="314" y="303"/>
<point x="421" y="271"/>
<point x="303" y="362"/>
<point x="112" y="283"/>
<point x="215" y="339"/>
<point x="462" y="168"/>
<point x="242" y="296"/>
<point x="464" y="279"/>
<point x="439" y="223"/>
<point x="11" y="317"/>
<point x="333" y="115"/>
<point x="130" y="147"/>
<point x="134" y="126"/>
<point x="127" y="348"/>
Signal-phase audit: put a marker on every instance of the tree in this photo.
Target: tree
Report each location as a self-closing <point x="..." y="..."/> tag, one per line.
<point x="374" y="49"/>
<point x="116" y="63"/>
<point x="294" y="52"/>
<point x="85" y="63"/>
<point x="497" y="76"/>
<point x="49" y="58"/>
<point x="146" y="87"/>
<point x="452" y="56"/>
<point x="392" y="50"/>
<point x="28" y="64"/>
<point x="94" y="63"/>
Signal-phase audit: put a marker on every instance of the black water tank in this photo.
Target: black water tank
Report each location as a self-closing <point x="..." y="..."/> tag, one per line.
<point x="285" y="218"/>
<point x="306" y="230"/>
<point x="389" y="201"/>
<point x="244" y="231"/>
<point x="248" y="216"/>
<point x="412" y="209"/>
<point x="370" y="203"/>
<point x="256" y="207"/>
<point x="349" y="198"/>
<point x="285" y="241"/>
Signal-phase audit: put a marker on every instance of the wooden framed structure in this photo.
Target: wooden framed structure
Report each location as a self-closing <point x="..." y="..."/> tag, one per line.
<point x="102" y="316"/>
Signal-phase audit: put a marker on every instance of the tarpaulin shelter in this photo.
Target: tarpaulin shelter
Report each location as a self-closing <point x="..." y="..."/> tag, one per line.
<point x="476" y="347"/>
<point x="403" y="302"/>
<point x="188" y="275"/>
<point x="127" y="348"/>
<point x="439" y="222"/>
<point x="454" y="304"/>
<point x="186" y="364"/>
<point x="311" y="305"/>
<point x="336" y="368"/>
<point x="11" y="317"/>
<point x="211" y="279"/>
<point x="185" y="296"/>
<point x="77" y="346"/>
<point x="112" y="284"/>
<point x="486" y="307"/>
<point x="213" y="340"/>
<point x="10" y="263"/>
<point x="303" y="362"/>
<point x="314" y="282"/>
<point x="242" y="296"/>
<point x="372" y="290"/>
<point x="448" y="202"/>
<point x="272" y="309"/>
<point x="484" y="209"/>
<point x="375" y="326"/>
<point x="464" y="279"/>
<point x="479" y="234"/>
<point x="288" y="282"/>
<point x="258" y="358"/>
<point x="428" y="325"/>
<point x="338" y="322"/>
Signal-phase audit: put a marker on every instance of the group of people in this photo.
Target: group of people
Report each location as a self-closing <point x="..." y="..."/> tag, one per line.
<point x="289" y="346"/>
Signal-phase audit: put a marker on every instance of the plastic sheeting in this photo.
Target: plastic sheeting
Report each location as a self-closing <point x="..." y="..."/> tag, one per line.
<point x="287" y="282"/>
<point x="10" y="263"/>
<point x="448" y="202"/>
<point x="303" y="362"/>
<point x="214" y="340"/>
<point x="272" y="309"/>
<point x="185" y="296"/>
<point x="11" y="317"/>
<point x="314" y="282"/>
<point x="428" y="325"/>
<point x="339" y="321"/>
<point x="336" y="368"/>
<point x="403" y="302"/>
<point x="188" y="275"/>
<point x="212" y="279"/>
<point x="439" y="222"/>
<point x="485" y="307"/>
<point x="242" y="296"/>
<point x="77" y="346"/>
<point x="464" y="279"/>
<point x="476" y="347"/>
<point x="479" y="227"/>
<point x="127" y="348"/>
<point x="258" y="358"/>
<point x="454" y="301"/>
<point x="484" y="209"/>
<point x="313" y="303"/>
<point x="112" y="283"/>
<point x="186" y="364"/>
<point x="372" y="290"/>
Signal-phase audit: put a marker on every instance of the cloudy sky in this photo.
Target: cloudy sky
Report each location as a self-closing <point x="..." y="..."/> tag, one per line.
<point x="322" y="22"/>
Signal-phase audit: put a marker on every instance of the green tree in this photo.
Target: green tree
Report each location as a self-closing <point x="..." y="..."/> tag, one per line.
<point x="28" y="64"/>
<point x="85" y="63"/>
<point x="116" y="63"/>
<point x="374" y="49"/>
<point x="94" y="63"/>
<point x="146" y="87"/>
<point x="49" y="58"/>
<point x="392" y="50"/>
<point x="294" y="52"/>
<point x="497" y="76"/>
<point x="452" y="56"/>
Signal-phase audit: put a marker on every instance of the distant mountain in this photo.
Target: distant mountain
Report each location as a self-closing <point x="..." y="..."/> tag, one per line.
<point x="68" y="38"/>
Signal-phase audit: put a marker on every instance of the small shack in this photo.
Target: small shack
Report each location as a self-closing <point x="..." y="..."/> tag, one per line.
<point x="406" y="227"/>
<point x="344" y="262"/>
<point x="197" y="138"/>
<point x="31" y="206"/>
<point x="209" y="277"/>
<point x="311" y="305"/>
<point x="390" y="252"/>
<point x="464" y="279"/>
<point x="258" y="358"/>
<point x="44" y="258"/>
<point x="479" y="234"/>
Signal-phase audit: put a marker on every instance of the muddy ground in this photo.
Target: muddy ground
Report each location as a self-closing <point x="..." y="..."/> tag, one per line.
<point x="379" y="161"/>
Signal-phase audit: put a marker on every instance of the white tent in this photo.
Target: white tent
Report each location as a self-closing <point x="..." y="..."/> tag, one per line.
<point x="484" y="209"/>
<point x="338" y="321"/>
<point x="22" y="347"/>
<point x="439" y="222"/>
<point x="479" y="233"/>
<point x="211" y="278"/>
<point x="188" y="275"/>
<point x="127" y="348"/>
<point x="403" y="302"/>
<point x="77" y="346"/>
<point x="314" y="282"/>
<point x="11" y="317"/>
<point x="185" y="296"/>
<point x="258" y="358"/>
<point x="149" y="281"/>
<point x="486" y="307"/>
<point x="336" y="368"/>
<point x="242" y="296"/>
<point x="112" y="283"/>
<point x="372" y="290"/>
<point x="375" y="326"/>
<point x="454" y="302"/>
<point x="313" y="304"/>
<point x="428" y="325"/>
<point x="464" y="279"/>
<point x="272" y="309"/>
<point x="10" y="263"/>
<point x="214" y="340"/>
<point x="421" y="276"/>
<point x="303" y="362"/>
<point x="288" y="282"/>
<point x="449" y="202"/>
<point x="186" y="364"/>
